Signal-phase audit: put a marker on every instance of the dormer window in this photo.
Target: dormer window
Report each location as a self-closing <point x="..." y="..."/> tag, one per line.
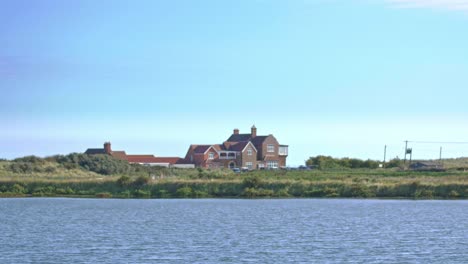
<point x="211" y="155"/>
<point x="270" y="148"/>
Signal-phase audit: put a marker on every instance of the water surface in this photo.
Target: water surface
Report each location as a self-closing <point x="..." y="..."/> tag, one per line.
<point x="60" y="230"/>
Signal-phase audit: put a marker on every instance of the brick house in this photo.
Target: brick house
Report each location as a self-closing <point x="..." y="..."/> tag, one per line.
<point x="149" y="160"/>
<point x="248" y="151"/>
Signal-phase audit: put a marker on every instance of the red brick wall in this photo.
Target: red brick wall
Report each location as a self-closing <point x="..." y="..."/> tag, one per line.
<point x="246" y="158"/>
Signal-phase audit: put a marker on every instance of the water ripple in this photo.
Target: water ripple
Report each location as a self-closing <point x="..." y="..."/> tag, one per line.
<point x="46" y="230"/>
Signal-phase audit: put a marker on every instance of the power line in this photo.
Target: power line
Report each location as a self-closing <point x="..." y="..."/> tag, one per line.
<point x="437" y="142"/>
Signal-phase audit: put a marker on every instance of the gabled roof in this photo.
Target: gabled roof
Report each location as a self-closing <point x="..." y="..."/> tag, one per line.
<point x="201" y="149"/>
<point x="247" y="137"/>
<point x="218" y="147"/>
<point x="238" y="146"/>
<point x="250" y="143"/>
<point x="93" y="151"/>
<point x="258" y="140"/>
<point x="239" y="137"/>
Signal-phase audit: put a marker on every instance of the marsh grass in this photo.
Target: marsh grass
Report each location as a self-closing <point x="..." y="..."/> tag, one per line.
<point x="198" y="183"/>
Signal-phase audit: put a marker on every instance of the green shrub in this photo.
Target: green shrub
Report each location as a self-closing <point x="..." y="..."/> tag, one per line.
<point x="254" y="193"/>
<point x="453" y="194"/>
<point x="124" y="181"/>
<point x="142" y="193"/>
<point x="331" y="192"/>
<point x="163" y="194"/>
<point x="50" y="169"/>
<point x="184" y="192"/>
<point x="282" y="193"/>
<point x="200" y="194"/>
<point x="361" y="190"/>
<point x="100" y="163"/>
<point x="423" y="193"/>
<point x="17" y="188"/>
<point x="251" y="182"/>
<point x="141" y="181"/>
<point x="327" y="162"/>
<point x="86" y="192"/>
<point x="126" y="194"/>
<point x="62" y="191"/>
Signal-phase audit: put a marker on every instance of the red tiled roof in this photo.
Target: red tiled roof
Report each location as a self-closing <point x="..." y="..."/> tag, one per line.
<point x="140" y="158"/>
<point x="151" y="159"/>
<point x="119" y="154"/>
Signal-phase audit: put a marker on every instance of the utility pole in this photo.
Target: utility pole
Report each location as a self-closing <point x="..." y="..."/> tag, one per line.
<point x="440" y="157"/>
<point x="406" y="150"/>
<point x="384" y="155"/>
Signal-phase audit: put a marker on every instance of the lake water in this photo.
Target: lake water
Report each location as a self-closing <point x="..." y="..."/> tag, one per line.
<point x="60" y="230"/>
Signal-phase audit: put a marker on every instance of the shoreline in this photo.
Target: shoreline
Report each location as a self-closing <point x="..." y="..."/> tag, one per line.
<point x="243" y="188"/>
<point x="239" y="198"/>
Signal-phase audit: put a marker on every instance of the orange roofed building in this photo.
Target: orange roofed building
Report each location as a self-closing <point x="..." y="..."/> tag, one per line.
<point x="150" y="160"/>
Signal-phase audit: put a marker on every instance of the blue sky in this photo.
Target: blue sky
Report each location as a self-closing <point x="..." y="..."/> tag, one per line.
<point x="332" y="77"/>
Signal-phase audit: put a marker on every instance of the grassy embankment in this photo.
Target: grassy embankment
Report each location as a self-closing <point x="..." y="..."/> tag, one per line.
<point x="52" y="177"/>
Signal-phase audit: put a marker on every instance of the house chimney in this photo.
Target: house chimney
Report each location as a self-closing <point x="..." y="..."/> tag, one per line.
<point x="236" y="131"/>
<point x="107" y="147"/>
<point x="253" y="131"/>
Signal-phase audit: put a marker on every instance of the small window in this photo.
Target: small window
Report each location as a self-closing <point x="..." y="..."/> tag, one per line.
<point x="249" y="152"/>
<point x="249" y="165"/>
<point x="211" y="155"/>
<point x="270" y="148"/>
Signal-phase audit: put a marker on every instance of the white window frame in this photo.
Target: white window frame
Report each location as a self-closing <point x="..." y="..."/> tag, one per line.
<point x="270" y="148"/>
<point x="249" y="152"/>
<point x="211" y="155"/>
<point x="283" y="150"/>
<point x="272" y="164"/>
<point x="249" y="165"/>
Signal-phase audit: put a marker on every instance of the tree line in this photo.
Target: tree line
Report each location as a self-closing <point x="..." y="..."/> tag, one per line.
<point x="328" y="162"/>
<point x="100" y="163"/>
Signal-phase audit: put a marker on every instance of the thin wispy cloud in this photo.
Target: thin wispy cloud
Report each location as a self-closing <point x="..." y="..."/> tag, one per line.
<point x="459" y="5"/>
